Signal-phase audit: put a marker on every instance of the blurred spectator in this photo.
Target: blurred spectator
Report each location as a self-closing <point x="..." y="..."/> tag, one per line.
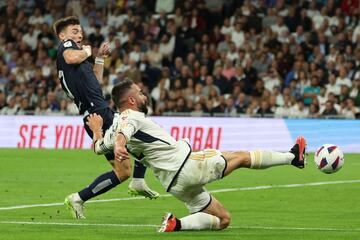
<point x="96" y="38"/>
<point x="342" y="79"/>
<point x="258" y="89"/>
<point x="230" y="109"/>
<point x="166" y="6"/>
<point x="198" y="110"/>
<point x="311" y="92"/>
<point x="332" y="87"/>
<point x="322" y="97"/>
<point x="209" y="85"/>
<point x="271" y="79"/>
<point x="314" y="111"/>
<point x="344" y="93"/>
<point x="37" y="17"/>
<point x="24" y="108"/>
<point x="11" y="108"/>
<point x="264" y="109"/>
<point x="188" y="92"/>
<point x="181" y="105"/>
<point x="167" y="45"/>
<point x="284" y="110"/>
<point x="198" y="93"/>
<point x="355" y="92"/>
<point x="31" y="38"/>
<point x="329" y="109"/>
<point x="226" y="28"/>
<point x="253" y="106"/>
<point x="237" y="35"/>
<point x="202" y="56"/>
<point x="43" y="108"/>
<point x="270" y="19"/>
<point x="2" y="100"/>
<point x="298" y="110"/>
<point x="241" y="104"/>
<point x="349" y="110"/>
<point x="52" y="102"/>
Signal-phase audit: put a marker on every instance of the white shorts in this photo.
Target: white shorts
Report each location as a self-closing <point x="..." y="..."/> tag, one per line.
<point x="201" y="168"/>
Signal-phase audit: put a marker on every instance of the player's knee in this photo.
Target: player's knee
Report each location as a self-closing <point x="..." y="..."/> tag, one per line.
<point x="125" y="175"/>
<point x="225" y="220"/>
<point x="123" y="170"/>
<point x="244" y="158"/>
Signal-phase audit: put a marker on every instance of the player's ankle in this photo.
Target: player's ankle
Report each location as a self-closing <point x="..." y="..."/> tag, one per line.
<point x="138" y="180"/>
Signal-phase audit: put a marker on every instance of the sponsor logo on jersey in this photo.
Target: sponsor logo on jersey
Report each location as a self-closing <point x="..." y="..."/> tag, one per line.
<point x="67" y="44"/>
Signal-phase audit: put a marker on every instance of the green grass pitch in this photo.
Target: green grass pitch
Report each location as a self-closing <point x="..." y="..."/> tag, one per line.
<point x="282" y="211"/>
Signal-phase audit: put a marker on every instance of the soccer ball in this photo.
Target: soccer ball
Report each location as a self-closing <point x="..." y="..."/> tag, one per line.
<point x="329" y="158"/>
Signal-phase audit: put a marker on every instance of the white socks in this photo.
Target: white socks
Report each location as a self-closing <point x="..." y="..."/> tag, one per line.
<point x="76" y="197"/>
<point x="137" y="183"/>
<point x="265" y="159"/>
<point x="200" y="221"/>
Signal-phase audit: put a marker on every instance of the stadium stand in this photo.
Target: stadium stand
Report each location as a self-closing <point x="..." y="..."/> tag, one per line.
<point x="264" y="58"/>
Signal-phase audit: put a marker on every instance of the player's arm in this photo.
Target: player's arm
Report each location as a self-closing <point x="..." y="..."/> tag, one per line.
<point x="126" y="129"/>
<point x="103" y="52"/>
<point x="76" y="56"/>
<point x="95" y="123"/>
<point x="120" y="150"/>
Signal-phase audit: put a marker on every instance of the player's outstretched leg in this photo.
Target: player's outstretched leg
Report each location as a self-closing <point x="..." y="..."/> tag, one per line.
<point x="260" y="159"/>
<point x="102" y="184"/>
<point x="295" y="157"/>
<point x="138" y="186"/>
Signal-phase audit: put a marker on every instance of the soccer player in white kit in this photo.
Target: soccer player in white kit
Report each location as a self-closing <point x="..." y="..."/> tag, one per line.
<point x="182" y="173"/>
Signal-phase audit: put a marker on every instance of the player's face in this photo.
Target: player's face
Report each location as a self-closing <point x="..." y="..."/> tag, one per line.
<point x="141" y="99"/>
<point x="73" y="32"/>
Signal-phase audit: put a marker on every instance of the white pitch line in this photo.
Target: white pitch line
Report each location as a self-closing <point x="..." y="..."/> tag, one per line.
<point x="213" y="191"/>
<point x="154" y="226"/>
<point x="299" y="228"/>
<point x="79" y="224"/>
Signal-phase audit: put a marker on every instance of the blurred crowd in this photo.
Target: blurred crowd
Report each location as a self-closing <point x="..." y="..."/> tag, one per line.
<point x="267" y="58"/>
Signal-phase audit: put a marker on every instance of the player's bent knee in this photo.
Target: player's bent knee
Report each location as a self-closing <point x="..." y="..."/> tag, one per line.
<point x="225" y="221"/>
<point x="122" y="170"/>
<point x="123" y="175"/>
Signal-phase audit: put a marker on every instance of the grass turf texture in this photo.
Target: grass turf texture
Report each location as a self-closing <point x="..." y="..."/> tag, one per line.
<point x="47" y="176"/>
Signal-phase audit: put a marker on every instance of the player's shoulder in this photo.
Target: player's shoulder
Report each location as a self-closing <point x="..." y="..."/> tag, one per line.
<point x="131" y="114"/>
<point x="68" y="44"/>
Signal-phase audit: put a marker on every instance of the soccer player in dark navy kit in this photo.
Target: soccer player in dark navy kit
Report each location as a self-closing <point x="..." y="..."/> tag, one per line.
<point x="80" y="80"/>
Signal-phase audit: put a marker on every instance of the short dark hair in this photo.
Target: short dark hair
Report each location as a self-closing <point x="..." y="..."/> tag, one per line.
<point x="119" y="90"/>
<point x="62" y="23"/>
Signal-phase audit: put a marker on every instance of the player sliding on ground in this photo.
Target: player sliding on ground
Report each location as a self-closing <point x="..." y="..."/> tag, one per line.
<point x="182" y="173"/>
<point x="80" y="80"/>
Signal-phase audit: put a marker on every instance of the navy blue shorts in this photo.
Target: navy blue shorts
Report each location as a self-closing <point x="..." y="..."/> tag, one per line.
<point x="107" y="115"/>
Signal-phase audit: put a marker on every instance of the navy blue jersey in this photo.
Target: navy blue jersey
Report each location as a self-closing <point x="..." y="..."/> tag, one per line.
<point x="79" y="81"/>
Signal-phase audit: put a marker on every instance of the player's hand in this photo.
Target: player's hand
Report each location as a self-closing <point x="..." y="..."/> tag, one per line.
<point x="95" y="122"/>
<point x="87" y="49"/>
<point x="104" y="50"/>
<point x="120" y="152"/>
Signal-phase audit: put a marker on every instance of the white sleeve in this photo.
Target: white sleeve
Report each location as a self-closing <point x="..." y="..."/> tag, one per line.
<point x="128" y="125"/>
<point x="106" y="144"/>
<point x="101" y="148"/>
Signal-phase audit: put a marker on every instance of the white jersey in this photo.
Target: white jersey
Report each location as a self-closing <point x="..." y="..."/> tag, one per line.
<point x="149" y="144"/>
